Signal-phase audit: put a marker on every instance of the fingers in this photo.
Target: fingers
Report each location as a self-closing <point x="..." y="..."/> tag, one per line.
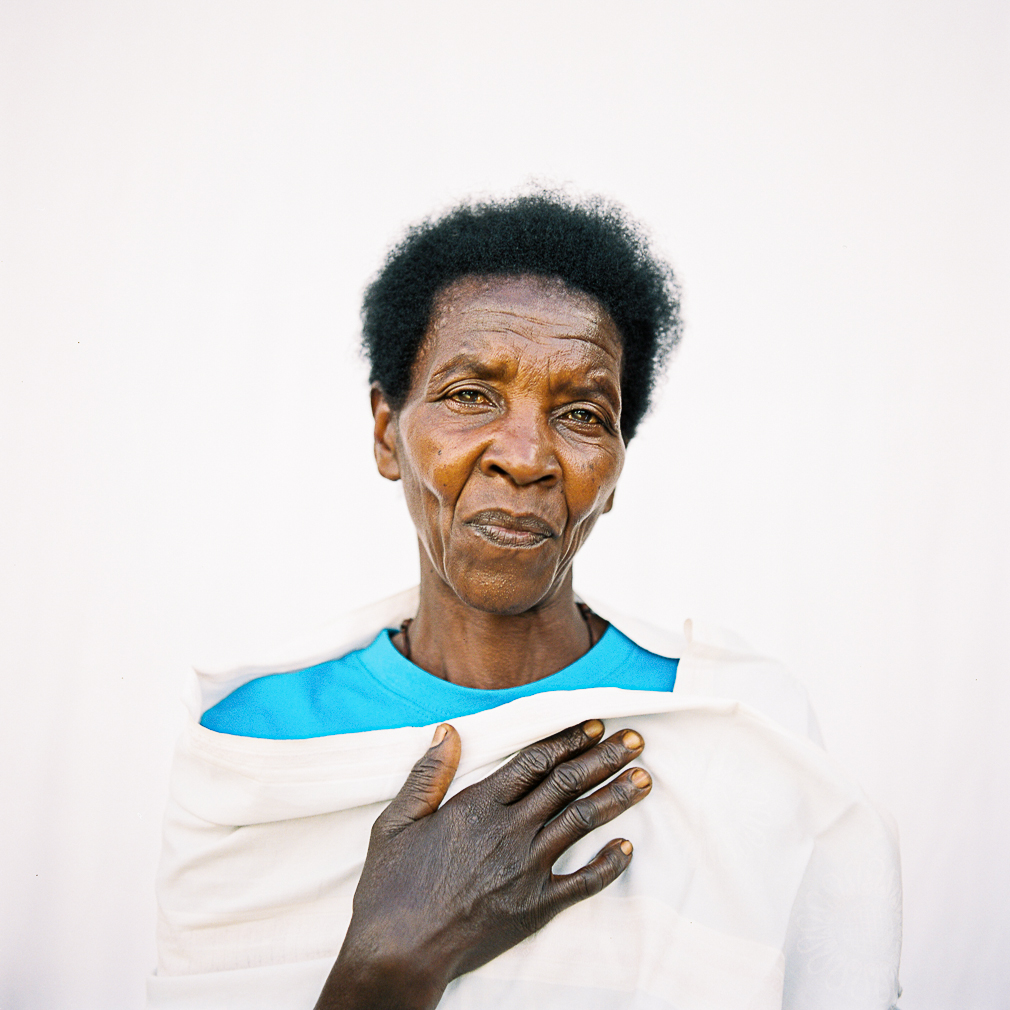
<point x="570" y="779"/>
<point x="427" y="783"/>
<point x="589" y="812"/>
<point x="532" y="764"/>
<point x="612" y="860"/>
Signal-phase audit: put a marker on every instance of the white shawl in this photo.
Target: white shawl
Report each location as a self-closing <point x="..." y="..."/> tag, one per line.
<point x="762" y="876"/>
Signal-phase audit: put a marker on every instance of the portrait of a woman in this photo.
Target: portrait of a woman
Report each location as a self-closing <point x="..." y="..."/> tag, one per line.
<point x="491" y="791"/>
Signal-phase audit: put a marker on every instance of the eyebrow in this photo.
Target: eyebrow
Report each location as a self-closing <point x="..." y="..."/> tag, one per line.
<point x="479" y="368"/>
<point x="583" y="390"/>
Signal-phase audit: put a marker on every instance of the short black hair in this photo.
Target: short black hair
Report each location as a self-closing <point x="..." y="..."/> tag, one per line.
<point x="591" y="245"/>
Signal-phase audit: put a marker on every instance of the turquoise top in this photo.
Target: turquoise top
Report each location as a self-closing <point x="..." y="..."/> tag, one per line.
<point x="377" y="688"/>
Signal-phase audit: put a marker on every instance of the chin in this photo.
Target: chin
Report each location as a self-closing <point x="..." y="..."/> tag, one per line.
<point x="500" y="592"/>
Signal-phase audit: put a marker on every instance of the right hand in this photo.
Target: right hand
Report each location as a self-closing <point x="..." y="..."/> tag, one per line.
<point x="444" y="889"/>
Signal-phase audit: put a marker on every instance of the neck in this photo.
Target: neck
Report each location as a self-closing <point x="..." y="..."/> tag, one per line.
<point x="474" y="648"/>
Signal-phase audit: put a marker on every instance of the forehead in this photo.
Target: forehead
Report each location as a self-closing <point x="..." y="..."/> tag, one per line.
<point x="486" y="311"/>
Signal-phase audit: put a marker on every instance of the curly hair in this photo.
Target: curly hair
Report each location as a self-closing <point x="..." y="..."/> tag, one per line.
<point x="592" y="246"/>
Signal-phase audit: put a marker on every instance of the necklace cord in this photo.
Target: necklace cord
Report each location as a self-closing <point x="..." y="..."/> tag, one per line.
<point x="584" y="610"/>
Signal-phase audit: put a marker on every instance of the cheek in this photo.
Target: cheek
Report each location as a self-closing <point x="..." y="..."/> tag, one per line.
<point x="590" y="482"/>
<point x="437" y="468"/>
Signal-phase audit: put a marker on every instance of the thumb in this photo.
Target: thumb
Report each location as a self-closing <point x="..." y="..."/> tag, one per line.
<point x="428" y="780"/>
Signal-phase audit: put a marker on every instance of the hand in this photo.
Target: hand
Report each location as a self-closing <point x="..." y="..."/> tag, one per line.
<point x="445" y="889"/>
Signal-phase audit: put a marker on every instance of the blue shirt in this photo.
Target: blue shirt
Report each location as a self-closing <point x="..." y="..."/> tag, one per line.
<point x="377" y="688"/>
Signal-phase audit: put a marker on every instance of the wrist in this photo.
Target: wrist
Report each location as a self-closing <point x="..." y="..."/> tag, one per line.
<point x="366" y="977"/>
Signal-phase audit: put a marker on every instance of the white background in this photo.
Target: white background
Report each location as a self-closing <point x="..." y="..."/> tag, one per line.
<point x="193" y="195"/>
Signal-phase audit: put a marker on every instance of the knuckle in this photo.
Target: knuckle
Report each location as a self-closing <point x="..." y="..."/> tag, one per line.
<point x="583" y="886"/>
<point x="615" y="753"/>
<point x="423" y="768"/>
<point x="608" y="869"/>
<point x="625" y="792"/>
<point x="575" y="736"/>
<point x="582" y="816"/>
<point x="569" y="779"/>
<point x="595" y="882"/>
<point x="420" y="785"/>
<point x="534" y="761"/>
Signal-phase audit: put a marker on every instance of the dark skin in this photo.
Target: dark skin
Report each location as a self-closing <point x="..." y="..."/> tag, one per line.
<point x="509" y="449"/>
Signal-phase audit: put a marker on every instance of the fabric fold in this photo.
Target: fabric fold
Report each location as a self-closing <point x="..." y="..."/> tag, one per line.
<point x="762" y="876"/>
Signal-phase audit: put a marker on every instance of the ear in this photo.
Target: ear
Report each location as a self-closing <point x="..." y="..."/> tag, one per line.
<point x="610" y="503"/>
<point x="384" y="435"/>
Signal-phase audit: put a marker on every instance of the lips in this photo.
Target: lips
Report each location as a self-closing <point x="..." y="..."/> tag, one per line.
<point x="506" y="530"/>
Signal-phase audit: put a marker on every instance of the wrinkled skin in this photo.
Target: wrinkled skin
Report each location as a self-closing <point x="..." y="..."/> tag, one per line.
<point x="509" y="449"/>
<point x="512" y="420"/>
<point x="446" y="889"/>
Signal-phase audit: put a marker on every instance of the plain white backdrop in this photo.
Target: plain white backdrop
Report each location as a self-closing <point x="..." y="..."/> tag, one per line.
<point x="193" y="195"/>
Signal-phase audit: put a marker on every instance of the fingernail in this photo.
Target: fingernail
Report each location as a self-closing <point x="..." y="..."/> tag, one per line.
<point x="626" y="847"/>
<point x="593" y="728"/>
<point x="631" y="740"/>
<point x="439" y="736"/>
<point x="640" y="778"/>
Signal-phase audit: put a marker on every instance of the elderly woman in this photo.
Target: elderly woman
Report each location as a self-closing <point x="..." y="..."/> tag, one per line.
<point x="312" y="859"/>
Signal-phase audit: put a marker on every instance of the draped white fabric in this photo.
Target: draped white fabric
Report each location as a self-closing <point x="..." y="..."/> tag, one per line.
<point x="762" y="876"/>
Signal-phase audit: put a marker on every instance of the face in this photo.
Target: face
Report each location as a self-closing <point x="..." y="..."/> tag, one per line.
<point x="509" y="444"/>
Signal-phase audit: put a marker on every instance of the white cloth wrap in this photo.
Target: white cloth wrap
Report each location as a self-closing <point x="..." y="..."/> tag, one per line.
<point x="762" y="876"/>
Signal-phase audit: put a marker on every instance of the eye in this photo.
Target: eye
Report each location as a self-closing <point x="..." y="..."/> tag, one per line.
<point x="467" y="396"/>
<point x="582" y="416"/>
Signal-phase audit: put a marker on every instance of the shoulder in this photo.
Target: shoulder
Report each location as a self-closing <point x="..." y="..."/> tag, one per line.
<point x="719" y="664"/>
<point x="272" y="706"/>
<point x="217" y="677"/>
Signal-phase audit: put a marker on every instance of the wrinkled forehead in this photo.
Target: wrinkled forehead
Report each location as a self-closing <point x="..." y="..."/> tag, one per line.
<point x="482" y="311"/>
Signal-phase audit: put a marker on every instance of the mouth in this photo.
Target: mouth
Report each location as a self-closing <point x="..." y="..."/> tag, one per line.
<point x="505" y="530"/>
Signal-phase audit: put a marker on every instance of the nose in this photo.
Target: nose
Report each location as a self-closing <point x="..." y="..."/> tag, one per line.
<point x="522" y="449"/>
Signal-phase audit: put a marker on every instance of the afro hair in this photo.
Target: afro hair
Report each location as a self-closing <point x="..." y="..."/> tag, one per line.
<point x="592" y="246"/>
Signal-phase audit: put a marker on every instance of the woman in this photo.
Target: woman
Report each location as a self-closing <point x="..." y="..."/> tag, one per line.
<point x="514" y="347"/>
